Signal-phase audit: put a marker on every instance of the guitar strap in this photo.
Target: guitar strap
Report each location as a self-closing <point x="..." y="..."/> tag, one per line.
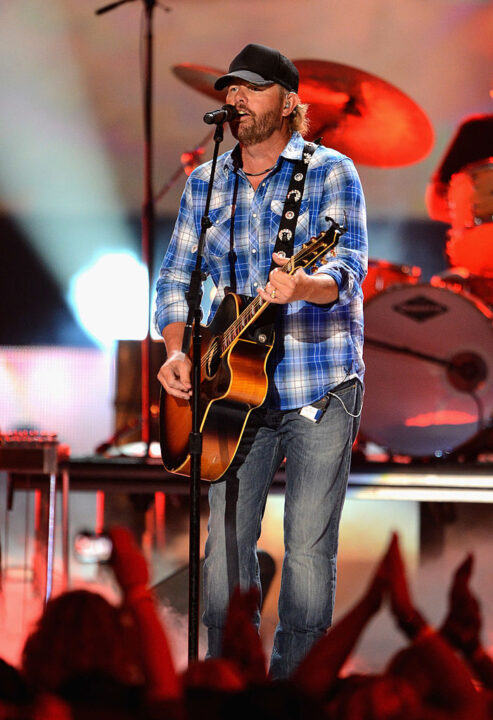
<point x="290" y="212"/>
<point x="264" y="327"/>
<point x="292" y="204"/>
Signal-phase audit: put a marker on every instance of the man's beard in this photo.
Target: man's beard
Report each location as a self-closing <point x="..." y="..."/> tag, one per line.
<point x="259" y="128"/>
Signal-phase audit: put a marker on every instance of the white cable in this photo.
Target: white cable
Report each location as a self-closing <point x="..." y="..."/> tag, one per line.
<point x="345" y="408"/>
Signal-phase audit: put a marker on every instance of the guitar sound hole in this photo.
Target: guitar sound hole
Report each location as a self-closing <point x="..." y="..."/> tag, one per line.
<point x="213" y="359"/>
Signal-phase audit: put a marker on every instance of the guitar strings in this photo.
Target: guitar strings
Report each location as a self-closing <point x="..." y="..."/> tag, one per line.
<point x="237" y="324"/>
<point x="258" y="301"/>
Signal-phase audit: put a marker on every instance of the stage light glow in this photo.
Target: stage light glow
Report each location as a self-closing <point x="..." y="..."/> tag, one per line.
<point x="400" y="481"/>
<point x="69" y="391"/>
<point x="441" y="417"/>
<point x="109" y="298"/>
<point x="421" y="494"/>
<point x="55" y="176"/>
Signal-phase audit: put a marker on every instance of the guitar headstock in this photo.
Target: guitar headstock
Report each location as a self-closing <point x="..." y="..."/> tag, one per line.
<point x="315" y="248"/>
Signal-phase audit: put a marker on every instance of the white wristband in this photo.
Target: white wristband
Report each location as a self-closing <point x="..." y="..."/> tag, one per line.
<point x="176" y="355"/>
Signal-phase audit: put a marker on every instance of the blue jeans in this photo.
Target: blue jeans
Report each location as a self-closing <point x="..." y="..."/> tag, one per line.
<point x="318" y="457"/>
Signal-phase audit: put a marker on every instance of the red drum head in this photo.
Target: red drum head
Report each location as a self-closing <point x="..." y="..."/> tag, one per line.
<point x="383" y="274"/>
<point x="429" y="369"/>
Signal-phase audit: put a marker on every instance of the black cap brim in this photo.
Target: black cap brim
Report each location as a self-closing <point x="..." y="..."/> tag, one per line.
<point x="247" y="75"/>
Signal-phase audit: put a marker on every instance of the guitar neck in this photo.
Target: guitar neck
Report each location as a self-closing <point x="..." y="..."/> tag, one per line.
<point x="309" y="253"/>
<point x="252" y="311"/>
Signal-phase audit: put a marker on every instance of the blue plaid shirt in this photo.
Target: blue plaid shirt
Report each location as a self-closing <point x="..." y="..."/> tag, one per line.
<point x="320" y="346"/>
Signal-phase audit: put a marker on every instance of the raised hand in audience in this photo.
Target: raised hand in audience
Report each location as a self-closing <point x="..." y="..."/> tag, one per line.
<point x="320" y="669"/>
<point x="462" y="624"/>
<point x="402" y="606"/>
<point x="443" y="683"/>
<point x="130" y="568"/>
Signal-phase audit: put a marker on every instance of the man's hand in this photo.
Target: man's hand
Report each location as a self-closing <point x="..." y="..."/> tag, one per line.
<point x="174" y="375"/>
<point x="283" y="288"/>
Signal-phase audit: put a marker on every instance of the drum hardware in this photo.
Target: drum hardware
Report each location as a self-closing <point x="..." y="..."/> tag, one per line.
<point x="353" y="111"/>
<point x="189" y="160"/>
<point x="465" y="371"/>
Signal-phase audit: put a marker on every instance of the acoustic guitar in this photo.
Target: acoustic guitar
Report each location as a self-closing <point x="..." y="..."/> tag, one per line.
<point x="235" y="349"/>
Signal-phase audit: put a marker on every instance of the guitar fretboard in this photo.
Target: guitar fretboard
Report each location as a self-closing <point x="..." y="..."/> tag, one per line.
<point x="309" y="253"/>
<point x="241" y="322"/>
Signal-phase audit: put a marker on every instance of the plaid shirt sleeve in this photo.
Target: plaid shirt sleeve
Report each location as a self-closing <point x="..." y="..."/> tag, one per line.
<point x="178" y="264"/>
<point x="343" y="200"/>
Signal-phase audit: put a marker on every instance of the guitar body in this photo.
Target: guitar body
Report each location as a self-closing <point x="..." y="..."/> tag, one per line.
<point x="231" y="387"/>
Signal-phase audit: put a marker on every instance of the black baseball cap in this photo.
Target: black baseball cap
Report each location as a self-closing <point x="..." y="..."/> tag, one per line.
<point x="261" y="65"/>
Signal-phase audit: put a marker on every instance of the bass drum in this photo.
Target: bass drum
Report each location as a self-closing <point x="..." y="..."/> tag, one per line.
<point x="429" y="370"/>
<point x="383" y="274"/>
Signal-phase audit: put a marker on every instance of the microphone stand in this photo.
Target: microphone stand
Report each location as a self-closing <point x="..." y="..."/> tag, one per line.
<point x="147" y="217"/>
<point x="194" y="296"/>
<point x="148" y="222"/>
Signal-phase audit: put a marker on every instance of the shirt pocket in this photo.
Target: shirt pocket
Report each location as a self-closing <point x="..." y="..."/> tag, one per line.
<point x="302" y="226"/>
<point x="218" y="235"/>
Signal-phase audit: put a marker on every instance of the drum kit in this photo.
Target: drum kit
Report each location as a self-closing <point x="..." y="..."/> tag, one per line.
<point x="428" y="346"/>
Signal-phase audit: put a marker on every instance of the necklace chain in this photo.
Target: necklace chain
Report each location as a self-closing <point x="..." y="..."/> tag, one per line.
<point x="260" y="173"/>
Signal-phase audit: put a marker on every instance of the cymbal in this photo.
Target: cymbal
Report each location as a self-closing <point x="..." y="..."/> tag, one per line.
<point x="200" y="78"/>
<point x="362" y="116"/>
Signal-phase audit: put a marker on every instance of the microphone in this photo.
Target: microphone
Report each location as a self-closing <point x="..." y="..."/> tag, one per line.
<point x="225" y="114"/>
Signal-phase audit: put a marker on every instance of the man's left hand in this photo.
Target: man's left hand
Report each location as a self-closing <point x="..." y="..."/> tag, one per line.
<point x="283" y="288"/>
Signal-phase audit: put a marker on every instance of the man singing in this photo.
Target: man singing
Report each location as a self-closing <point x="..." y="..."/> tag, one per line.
<point x="311" y="413"/>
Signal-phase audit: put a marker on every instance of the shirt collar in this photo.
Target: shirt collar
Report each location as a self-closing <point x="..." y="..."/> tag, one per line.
<point x="292" y="151"/>
<point x="294" y="148"/>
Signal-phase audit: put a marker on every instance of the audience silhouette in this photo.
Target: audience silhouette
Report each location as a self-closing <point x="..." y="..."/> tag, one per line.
<point x="87" y="658"/>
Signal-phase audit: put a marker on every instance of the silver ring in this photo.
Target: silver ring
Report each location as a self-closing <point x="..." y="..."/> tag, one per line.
<point x="273" y="293"/>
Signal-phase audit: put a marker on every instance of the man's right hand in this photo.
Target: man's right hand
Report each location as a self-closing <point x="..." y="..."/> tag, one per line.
<point x="174" y="375"/>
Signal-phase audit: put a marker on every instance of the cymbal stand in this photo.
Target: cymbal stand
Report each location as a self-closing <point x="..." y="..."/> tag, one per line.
<point x="190" y="159"/>
<point x="148" y="215"/>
